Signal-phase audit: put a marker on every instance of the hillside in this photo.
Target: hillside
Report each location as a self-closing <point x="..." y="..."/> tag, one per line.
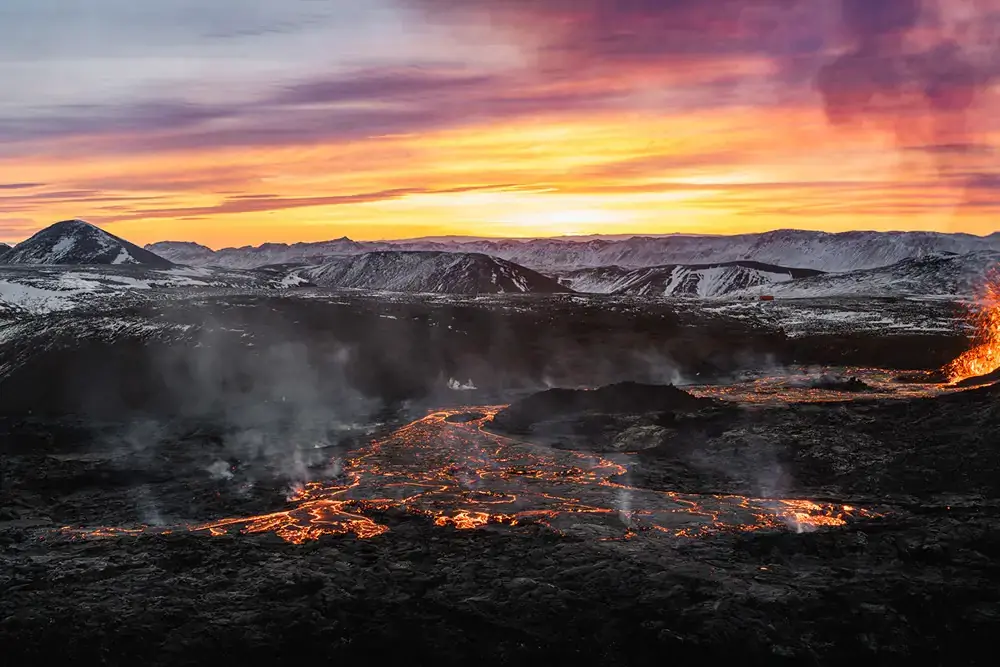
<point x="79" y="242"/>
<point x="940" y="275"/>
<point x="706" y="280"/>
<point x="434" y="272"/>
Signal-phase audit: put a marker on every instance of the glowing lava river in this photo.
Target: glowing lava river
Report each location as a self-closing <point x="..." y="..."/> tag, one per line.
<point x="446" y="467"/>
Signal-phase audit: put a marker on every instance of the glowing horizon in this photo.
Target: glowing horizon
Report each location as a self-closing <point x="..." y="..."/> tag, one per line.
<point x="307" y="120"/>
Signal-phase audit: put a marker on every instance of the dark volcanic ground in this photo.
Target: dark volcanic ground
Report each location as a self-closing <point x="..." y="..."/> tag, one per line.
<point x="224" y="436"/>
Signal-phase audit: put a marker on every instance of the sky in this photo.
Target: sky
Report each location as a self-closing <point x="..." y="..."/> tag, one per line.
<point x="236" y="122"/>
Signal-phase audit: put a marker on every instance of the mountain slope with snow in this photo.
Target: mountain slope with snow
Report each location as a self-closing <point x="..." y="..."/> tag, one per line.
<point x="182" y="252"/>
<point x="847" y="251"/>
<point x="940" y="275"/>
<point x="430" y="272"/>
<point x="252" y="257"/>
<point x="79" y="242"/>
<point x="41" y="289"/>
<point x="704" y="280"/>
<point x="820" y="251"/>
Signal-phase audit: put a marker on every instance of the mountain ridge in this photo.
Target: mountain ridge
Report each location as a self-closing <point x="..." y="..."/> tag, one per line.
<point x="698" y="280"/>
<point x="804" y="249"/>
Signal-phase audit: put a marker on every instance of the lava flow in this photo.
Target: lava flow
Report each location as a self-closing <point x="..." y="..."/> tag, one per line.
<point x="461" y="476"/>
<point x="984" y="356"/>
<point x="818" y="385"/>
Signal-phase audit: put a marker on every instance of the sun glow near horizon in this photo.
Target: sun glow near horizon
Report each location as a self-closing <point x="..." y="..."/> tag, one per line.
<point x="388" y="144"/>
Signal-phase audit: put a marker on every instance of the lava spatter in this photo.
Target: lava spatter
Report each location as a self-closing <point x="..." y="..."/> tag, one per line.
<point x="984" y="355"/>
<point x="464" y="477"/>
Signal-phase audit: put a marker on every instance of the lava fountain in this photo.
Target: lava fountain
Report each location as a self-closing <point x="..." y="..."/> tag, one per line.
<point x="984" y="355"/>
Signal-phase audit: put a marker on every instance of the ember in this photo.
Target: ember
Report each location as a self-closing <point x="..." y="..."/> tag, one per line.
<point x="984" y="356"/>
<point x="464" y="477"/>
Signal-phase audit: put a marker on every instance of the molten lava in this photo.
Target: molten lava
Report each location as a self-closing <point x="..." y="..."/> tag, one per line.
<point x="463" y="477"/>
<point x="796" y="385"/>
<point x="984" y="356"/>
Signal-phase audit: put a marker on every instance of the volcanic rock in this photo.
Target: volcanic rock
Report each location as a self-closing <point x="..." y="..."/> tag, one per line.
<point x="835" y="383"/>
<point x="980" y="380"/>
<point x="621" y="398"/>
<point x="622" y="417"/>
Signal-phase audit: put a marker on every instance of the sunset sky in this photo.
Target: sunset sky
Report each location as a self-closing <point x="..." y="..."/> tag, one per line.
<point x="232" y="122"/>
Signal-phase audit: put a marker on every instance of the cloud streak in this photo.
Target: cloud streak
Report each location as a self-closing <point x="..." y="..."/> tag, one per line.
<point x="267" y="202"/>
<point x="350" y="106"/>
<point x="295" y="105"/>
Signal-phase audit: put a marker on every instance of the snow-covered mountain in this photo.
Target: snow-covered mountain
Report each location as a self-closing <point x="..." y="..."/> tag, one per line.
<point x="803" y="249"/>
<point x="938" y="275"/>
<point x="79" y="242"/>
<point x="429" y="272"/>
<point x="183" y="252"/>
<point x="251" y="257"/>
<point x="697" y="280"/>
<point x="821" y="251"/>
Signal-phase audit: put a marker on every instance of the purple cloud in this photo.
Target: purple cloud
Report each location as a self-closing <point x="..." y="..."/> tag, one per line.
<point x="573" y="33"/>
<point x="380" y="103"/>
<point x="382" y="85"/>
<point x="260" y="203"/>
<point x="887" y="77"/>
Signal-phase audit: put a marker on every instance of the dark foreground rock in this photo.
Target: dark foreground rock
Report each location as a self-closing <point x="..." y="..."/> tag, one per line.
<point x="919" y="585"/>
<point x="107" y="424"/>
<point x="895" y="592"/>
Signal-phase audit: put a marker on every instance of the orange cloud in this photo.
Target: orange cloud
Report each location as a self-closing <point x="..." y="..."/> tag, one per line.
<point x="635" y="116"/>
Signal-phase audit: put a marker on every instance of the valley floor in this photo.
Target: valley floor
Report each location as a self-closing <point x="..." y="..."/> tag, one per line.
<point x="255" y="397"/>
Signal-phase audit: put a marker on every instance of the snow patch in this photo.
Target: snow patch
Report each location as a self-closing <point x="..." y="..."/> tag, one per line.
<point x="63" y="247"/>
<point x="123" y="257"/>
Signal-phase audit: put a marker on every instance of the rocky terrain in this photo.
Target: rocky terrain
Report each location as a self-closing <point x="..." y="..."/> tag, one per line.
<point x="202" y="464"/>
<point x="196" y="345"/>
<point x="914" y="580"/>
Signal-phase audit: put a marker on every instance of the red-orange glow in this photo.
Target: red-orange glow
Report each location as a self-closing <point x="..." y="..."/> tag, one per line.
<point x="984" y="355"/>
<point x="719" y="171"/>
<point x="464" y="477"/>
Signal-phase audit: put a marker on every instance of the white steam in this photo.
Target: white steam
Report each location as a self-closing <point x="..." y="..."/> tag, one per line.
<point x="220" y="470"/>
<point x="455" y="385"/>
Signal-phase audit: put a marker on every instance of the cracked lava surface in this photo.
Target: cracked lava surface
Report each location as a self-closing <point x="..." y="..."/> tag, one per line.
<point x="447" y="467"/>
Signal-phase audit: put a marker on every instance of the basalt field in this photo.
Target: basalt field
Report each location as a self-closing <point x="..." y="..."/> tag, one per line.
<point x="455" y="459"/>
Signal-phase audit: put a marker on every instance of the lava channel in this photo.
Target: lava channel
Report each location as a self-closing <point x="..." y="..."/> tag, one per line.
<point x="461" y="476"/>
